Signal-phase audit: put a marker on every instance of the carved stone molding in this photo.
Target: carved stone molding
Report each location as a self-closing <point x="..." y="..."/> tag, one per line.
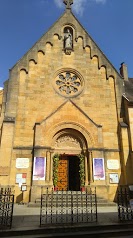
<point x="67" y="141"/>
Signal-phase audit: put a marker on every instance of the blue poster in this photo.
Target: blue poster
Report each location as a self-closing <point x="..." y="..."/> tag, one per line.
<point x="39" y="169"/>
<point x="98" y="169"/>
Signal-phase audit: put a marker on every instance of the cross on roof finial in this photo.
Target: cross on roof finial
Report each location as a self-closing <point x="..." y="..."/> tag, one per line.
<point x="68" y="3"/>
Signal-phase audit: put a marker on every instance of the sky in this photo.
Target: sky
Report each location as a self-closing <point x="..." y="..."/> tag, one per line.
<point x="23" y="22"/>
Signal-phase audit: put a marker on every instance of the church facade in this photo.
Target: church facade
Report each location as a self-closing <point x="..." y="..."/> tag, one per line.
<point x="66" y="117"/>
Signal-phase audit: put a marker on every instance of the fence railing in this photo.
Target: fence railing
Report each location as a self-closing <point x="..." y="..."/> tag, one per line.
<point x="6" y="208"/>
<point x="60" y="207"/>
<point x="125" y="208"/>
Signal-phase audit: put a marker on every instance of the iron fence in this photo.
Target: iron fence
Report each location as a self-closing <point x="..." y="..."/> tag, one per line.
<point x="6" y="208"/>
<point x="63" y="207"/>
<point x="124" y="199"/>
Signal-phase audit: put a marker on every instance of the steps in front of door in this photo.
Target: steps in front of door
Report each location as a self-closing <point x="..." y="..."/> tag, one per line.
<point x="76" y="231"/>
<point x="82" y="200"/>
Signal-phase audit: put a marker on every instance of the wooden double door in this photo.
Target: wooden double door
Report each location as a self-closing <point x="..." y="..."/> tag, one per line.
<point x="68" y="173"/>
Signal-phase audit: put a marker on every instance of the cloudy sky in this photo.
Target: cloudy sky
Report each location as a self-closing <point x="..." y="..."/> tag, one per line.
<point x="23" y="22"/>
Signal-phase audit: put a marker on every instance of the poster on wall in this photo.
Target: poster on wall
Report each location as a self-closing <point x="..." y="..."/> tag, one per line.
<point x="39" y="169"/>
<point x="113" y="178"/>
<point x="98" y="169"/>
<point x="113" y="164"/>
<point x="21" y="178"/>
<point x="22" y="163"/>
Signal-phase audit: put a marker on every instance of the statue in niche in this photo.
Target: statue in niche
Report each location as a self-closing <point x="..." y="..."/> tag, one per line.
<point x="68" y="39"/>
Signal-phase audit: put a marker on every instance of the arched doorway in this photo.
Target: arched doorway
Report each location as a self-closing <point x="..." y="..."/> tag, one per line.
<point x="69" y="144"/>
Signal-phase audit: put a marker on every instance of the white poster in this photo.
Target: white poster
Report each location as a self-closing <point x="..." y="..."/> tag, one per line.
<point x="22" y="163"/>
<point x="21" y="178"/>
<point x="113" y="178"/>
<point x="113" y="164"/>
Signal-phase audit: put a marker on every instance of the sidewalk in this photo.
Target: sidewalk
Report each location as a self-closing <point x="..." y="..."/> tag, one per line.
<point x="25" y="217"/>
<point x="26" y="224"/>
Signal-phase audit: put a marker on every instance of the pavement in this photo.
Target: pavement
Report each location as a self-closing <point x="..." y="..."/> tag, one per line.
<point x="26" y="224"/>
<point x="25" y="217"/>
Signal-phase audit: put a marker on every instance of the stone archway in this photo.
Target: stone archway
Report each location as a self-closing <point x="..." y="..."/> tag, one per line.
<point x="69" y="143"/>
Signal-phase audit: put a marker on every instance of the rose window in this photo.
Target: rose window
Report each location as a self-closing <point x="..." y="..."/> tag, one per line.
<point x="68" y="84"/>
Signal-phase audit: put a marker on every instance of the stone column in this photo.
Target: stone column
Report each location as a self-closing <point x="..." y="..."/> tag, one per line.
<point x="86" y="171"/>
<point x="90" y="166"/>
<point x="51" y="169"/>
<point x="48" y="166"/>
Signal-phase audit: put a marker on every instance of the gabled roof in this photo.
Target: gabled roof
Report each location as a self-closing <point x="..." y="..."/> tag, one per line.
<point x="68" y="18"/>
<point x="76" y="106"/>
<point x="129" y="90"/>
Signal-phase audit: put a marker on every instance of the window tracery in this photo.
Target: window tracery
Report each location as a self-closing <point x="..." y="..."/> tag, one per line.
<point x="68" y="83"/>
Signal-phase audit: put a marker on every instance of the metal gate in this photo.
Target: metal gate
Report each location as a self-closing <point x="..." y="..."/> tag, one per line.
<point x="63" y="207"/>
<point x="6" y="208"/>
<point x="124" y="199"/>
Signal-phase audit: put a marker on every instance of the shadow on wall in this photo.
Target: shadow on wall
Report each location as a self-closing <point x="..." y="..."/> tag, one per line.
<point x="19" y="198"/>
<point x="126" y="178"/>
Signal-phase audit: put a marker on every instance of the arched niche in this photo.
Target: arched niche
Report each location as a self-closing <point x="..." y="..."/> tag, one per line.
<point x="68" y="38"/>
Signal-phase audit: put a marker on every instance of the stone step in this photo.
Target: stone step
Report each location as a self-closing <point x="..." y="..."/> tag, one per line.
<point x="114" y="230"/>
<point x="99" y="204"/>
<point x="54" y="201"/>
<point x="77" y="198"/>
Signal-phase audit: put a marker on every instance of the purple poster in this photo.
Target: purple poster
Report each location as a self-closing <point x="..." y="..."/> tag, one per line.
<point x="98" y="169"/>
<point x="39" y="168"/>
